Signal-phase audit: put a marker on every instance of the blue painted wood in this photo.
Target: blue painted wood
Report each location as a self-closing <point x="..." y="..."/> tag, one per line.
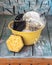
<point x="42" y="4"/>
<point x="0" y="49"/>
<point x="6" y="33"/>
<point x="44" y="33"/>
<point x="22" y="5"/>
<point x="4" y="50"/>
<point x="43" y="46"/>
<point x="49" y="20"/>
<point x="1" y="27"/>
<point x="47" y="36"/>
<point x="2" y="23"/>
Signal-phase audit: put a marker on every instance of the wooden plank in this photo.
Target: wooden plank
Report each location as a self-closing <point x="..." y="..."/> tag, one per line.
<point x="4" y="61"/>
<point x="6" y="33"/>
<point x="4" y="50"/>
<point x="1" y="28"/>
<point x="25" y="52"/>
<point x="14" y="64"/>
<point x="31" y="61"/>
<point x="44" y="33"/>
<point x="46" y="37"/>
<point x="7" y="12"/>
<point x="25" y="64"/>
<point x="0" y="49"/>
<point x="37" y="48"/>
<point x="3" y="64"/>
<point x="49" y="20"/>
<point x="43" y="46"/>
<point x="1" y="3"/>
<point x="50" y="29"/>
<point x="27" y="61"/>
<point x="1" y="23"/>
<point x="49" y="25"/>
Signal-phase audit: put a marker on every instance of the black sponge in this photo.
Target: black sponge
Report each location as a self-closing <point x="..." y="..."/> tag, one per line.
<point x="19" y="16"/>
<point x="19" y="26"/>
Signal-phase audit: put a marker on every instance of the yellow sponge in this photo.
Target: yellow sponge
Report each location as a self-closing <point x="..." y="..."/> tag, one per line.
<point x="14" y="43"/>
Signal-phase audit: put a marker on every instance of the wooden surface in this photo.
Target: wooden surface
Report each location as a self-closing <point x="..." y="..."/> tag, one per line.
<point x="29" y="61"/>
<point x="27" y="51"/>
<point x="20" y="5"/>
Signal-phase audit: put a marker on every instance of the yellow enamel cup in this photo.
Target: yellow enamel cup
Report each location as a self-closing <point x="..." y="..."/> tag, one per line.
<point x="28" y="37"/>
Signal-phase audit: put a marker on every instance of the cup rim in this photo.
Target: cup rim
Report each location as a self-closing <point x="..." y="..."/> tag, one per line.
<point x="9" y="26"/>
